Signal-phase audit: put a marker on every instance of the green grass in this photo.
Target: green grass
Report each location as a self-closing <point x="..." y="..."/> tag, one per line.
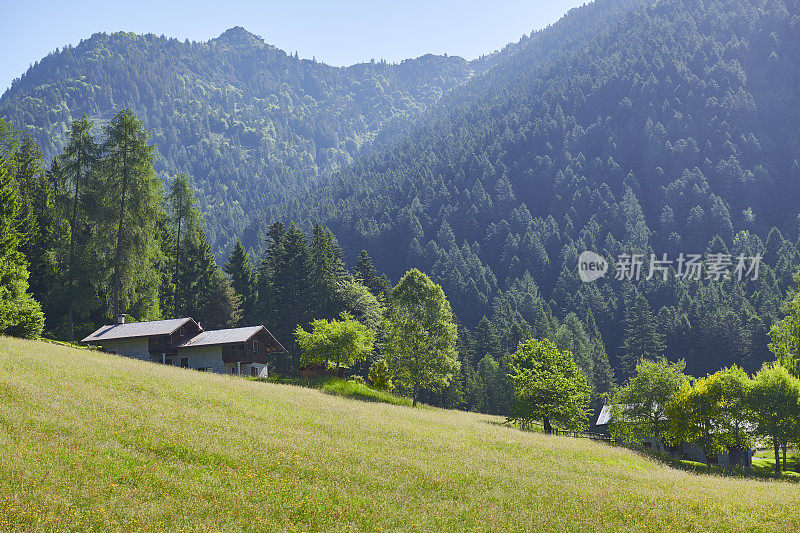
<point x="90" y="441"/>
<point x="764" y="463"/>
<point x="360" y="391"/>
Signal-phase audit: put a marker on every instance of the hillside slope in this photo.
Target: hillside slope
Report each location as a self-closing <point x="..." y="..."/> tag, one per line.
<point x="250" y="124"/>
<point x="93" y="441"/>
<point x="671" y="129"/>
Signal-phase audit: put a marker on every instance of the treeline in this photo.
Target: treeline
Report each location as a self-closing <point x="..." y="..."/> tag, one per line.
<point x="252" y="125"/>
<point x="667" y="130"/>
<point x="101" y="237"/>
<point x="726" y="411"/>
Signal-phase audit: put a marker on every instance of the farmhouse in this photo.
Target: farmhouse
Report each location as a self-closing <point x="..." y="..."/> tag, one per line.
<point x="731" y="457"/>
<point x="183" y="342"/>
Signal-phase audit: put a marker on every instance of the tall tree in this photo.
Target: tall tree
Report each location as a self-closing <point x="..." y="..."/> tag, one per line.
<point x="775" y="402"/>
<point x="44" y="228"/>
<point x="81" y="159"/>
<point x="20" y="314"/>
<point x="133" y="196"/>
<point x="639" y="406"/>
<point x="643" y="340"/>
<point x="366" y="273"/>
<point x="243" y="280"/>
<point x="420" y="335"/>
<point x="181" y="201"/>
<point x="549" y="386"/>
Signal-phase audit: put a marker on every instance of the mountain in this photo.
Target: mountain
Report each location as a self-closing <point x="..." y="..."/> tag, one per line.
<point x="251" y="124"/>
<point x="669" y="128"/>
<point x="627" y="127"/>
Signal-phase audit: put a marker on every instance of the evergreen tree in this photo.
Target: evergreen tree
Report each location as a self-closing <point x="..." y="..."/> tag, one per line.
<point x="81" y="160"/>
<point x="132" y="203"/>
<point x="643" y="340"/>
<point x="365" y="272"/>
<point x="45" y="230"/>
<point x="181" y="202"/>
<point x="243" y="280"/>
<point x="485" y="341"/>
<point x="20" y="314"/>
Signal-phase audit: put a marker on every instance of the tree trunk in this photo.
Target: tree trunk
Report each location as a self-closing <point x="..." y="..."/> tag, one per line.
<point x="777" y="456"/>
<point x="547" y="427"/>
<point x="70" y="285"/>
<point x="119" y="233"/>
<point x="784" y="445"/>
<point x="177" y="261"/>
<point x="656" y="435"/>
<point x="414" y="398"/>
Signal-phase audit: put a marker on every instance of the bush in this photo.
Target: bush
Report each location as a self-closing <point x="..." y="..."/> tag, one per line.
<point x="351" y="389"/>
<point x="379" y="376"/>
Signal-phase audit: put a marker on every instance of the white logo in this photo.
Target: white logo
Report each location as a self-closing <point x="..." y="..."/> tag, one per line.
<point x="591" y="266"/>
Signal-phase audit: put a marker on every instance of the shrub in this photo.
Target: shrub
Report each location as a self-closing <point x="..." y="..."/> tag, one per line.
<point x="379" y="375"/>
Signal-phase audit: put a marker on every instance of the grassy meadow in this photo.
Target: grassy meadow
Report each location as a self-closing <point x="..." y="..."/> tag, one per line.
<point x="90" y="441"/>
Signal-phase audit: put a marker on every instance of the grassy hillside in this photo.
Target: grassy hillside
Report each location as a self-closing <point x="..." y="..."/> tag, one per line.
<point x="92" y="441"/>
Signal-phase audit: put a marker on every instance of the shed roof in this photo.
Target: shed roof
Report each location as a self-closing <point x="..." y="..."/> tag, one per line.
<point x="137" y="329"/>
<point x="606" y="414"/>
<point x="229" y="336"/>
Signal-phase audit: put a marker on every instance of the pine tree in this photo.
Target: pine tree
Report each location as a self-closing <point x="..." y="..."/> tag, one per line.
<point x="81" y="159"/>
<point x="486" y="341"/>
<point x="643" y="340"/>
<point x="365" y="272"/>
<point x="181" y="201"/>
<point x="326" y="271"/>
<point x="243" y="280"/>
<point x="20" y="314"/>
<point x="132" y="202"/>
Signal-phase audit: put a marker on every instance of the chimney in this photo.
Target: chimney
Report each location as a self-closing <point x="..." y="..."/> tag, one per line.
<point x="120" y="319"/>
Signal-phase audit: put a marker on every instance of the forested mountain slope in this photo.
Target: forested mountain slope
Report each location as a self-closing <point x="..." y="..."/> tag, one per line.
<point x="674" y="129"/>
<point x="668" y="127"/>
<point x="251" y="124"/>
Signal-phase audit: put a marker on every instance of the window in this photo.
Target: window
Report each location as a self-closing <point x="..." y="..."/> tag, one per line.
<point x="241" y="347"/>
<point x="184" y="362"/>
<point x="183" y="334"/>
<point x="254" y="371"/>
<point x="255" y="346"/>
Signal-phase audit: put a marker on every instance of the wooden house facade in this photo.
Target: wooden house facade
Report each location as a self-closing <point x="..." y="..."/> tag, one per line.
<point x="183" y="342"/>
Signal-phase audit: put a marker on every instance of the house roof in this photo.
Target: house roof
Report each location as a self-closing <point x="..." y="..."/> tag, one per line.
<point x="606" y="414"/>
<point x="137" y="329"/>
<point x="229" y="336"/>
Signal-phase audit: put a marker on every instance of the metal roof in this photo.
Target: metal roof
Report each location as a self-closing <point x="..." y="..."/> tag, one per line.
<point x="137" y="329"/>
<point x="605" y="416"/>
<point x="222" y="336"/>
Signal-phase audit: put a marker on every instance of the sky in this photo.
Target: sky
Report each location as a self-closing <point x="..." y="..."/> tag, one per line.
<point x="337" y="33"/>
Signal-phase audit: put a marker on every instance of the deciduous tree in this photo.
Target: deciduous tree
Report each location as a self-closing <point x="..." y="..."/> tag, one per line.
<point x="420" y="335"/>
<point x="549" y="386"/>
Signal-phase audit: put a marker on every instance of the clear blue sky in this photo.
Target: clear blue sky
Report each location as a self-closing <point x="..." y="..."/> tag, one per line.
<point x="338" y="33"/>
